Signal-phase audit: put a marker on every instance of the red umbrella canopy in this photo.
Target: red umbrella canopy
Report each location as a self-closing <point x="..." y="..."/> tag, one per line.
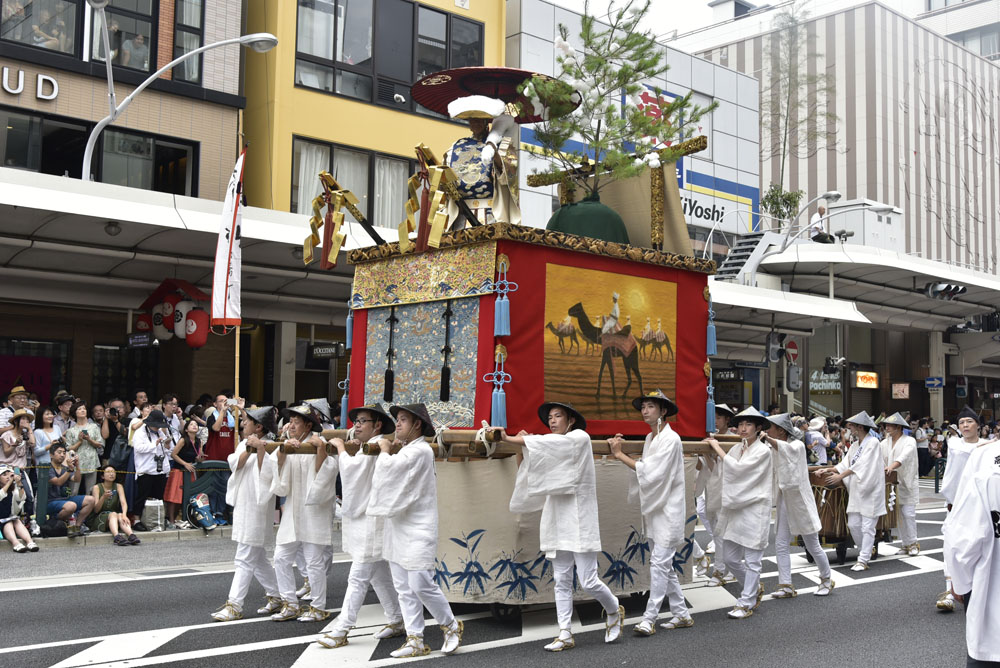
<point x="436" y="90"/>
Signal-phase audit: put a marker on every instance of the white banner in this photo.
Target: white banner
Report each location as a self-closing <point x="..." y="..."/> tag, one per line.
<point x="228" y="257"/>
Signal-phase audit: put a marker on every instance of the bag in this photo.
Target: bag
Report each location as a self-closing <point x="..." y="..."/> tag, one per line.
<point x="199" y="512"/>
<point x="54" y="528"/>
<point x="119" y="453"/>
<point x="153" y="515"/>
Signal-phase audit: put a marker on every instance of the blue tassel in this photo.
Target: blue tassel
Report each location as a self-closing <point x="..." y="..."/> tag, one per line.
<point x="711" y="346"/>
<point x="498" y="409"/>
<point x="710" y="415"/>
<point x="501" y="316"/>
<point x="350" y="329"/>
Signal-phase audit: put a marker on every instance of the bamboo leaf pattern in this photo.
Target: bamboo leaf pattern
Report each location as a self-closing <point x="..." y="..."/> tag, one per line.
<point x="519" y="575"/>
<point x="441" y="574"/>
<point x="636" y="545"/>
<point x="472" y="575"/>
<point x="618" y="571"/>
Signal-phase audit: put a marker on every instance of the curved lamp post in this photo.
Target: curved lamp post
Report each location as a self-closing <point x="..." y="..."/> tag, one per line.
<point x="259" y="42"/>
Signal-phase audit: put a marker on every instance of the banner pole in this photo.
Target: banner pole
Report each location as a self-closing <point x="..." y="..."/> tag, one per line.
<point x="236" y="383"/>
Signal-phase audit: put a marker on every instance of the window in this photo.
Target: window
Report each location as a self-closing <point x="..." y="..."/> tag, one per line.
<point x="378" y="180"/>
<point x="373" y="50"/>
<point x="46" y="24"/>
<point x="139" y="161"/>
<point x="42" y="145"/>
<point x="985" y="41"/>
<point x="53" y="355"/>
<point x="120" y="371"/>
<point x="188" y="36"/>
<point x="129" y="33"/>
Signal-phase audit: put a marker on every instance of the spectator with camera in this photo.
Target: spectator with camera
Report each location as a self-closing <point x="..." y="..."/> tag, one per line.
<point x="186" y="453"/>
<point x="16" y="446"/>
<point x="16" y="400"/>
<point x="85" y="438"/>
<point x="111" y="509"/>
<point x="152" y="446"/>
<point x="114" y="424"/>
<point x="12" y="499"/>
<point x="63" y="506"/>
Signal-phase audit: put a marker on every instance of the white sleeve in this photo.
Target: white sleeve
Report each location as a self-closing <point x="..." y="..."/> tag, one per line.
<point x="967" y="536"/>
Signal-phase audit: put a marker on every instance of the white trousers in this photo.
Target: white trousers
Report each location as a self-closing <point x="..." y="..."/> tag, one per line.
<point x="782" y="543"/>
<point x="908" y="524"/>
<point x="663" y="583"/>
<point x="863" y="532"/>
<point x="251" y="562"/>
<point x="378" y="575"/>
<point x="417" y="590"/>
<point x="315" y="569"/>
<point x="586" y="571"/>
<point x="745" y="564"/>
<point x="701" y="509"/>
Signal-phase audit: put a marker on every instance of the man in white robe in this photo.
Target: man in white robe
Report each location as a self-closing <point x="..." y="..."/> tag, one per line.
<point x="960" y="448"/>
<point x="862" y="473"/>
<point x="557" y="476"/>
<point x="252" y="516"/>
<point x="711" y="474"/>
<point x="972" y="553"/>
<point x="796" y="507"/>
<point x="362" y="534"/>
<point x="309" y="528"/>
<point x="745" y="518"/>
<point x="404" y="492"/>
<point x="659" y="486"/>
<point x="899" y="454"/>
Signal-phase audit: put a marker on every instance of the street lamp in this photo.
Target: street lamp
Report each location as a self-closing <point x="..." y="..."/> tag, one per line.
<point x="260" y="42"/>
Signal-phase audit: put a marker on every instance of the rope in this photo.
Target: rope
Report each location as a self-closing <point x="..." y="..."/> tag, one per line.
<point x="488" y="447"/>
<point x="439" y="439"/>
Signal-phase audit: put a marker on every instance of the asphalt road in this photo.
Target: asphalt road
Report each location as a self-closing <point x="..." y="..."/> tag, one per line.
<point x="157" y="613"/>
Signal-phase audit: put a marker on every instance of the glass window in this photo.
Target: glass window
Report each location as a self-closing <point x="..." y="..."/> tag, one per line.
<point x="137" y="6"/>
<point x="354" y="85"/>
<point x="62" y="148"/>
<point x="394" y="45"/>
<point x="354" y="32"/>
<point x="187" y="38"/>
<point x="48" y="24"/>
<point x="119" y="371"/>
<point x="137" y="161"/>
<point x="390" y="191"/>
<point x="130" y="42"/>
<point x="989" y="44"/>
<point x="172" y="168"/>
<point x="350" y="169"/>
<point x="18" y="140"/>
<point x="308" y="160"/>
<point x="466" y="43"/>
<point x="315" y="28"/>
<point x="432" y="42"/>
<point x="314" y="76"/>
<point x="189" y="13"/>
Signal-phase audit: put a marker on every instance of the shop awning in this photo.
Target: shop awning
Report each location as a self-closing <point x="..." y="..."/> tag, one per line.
<point x="887" y="286"/>
<point x="745" y="314"/>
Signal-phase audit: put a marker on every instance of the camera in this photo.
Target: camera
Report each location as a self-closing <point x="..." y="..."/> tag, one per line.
<point x="113" y="412"/>
<point x="159" y="462"/>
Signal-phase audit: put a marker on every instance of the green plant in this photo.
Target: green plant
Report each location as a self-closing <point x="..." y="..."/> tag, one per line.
<point x="623" y="125"/>
<point x="781" y="204"/>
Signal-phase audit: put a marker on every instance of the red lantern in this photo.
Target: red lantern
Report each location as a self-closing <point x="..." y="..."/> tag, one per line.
<point x="144" y="323"/>
<point x="197" y="326"/>
<point x="169" y="304"/>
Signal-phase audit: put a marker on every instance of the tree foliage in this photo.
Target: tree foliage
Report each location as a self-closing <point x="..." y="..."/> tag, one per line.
<point x="780" y="203"/>
<point x="622" y="125"/>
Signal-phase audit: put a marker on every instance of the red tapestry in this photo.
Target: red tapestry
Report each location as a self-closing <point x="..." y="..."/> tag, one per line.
<point x="34" y="373"/>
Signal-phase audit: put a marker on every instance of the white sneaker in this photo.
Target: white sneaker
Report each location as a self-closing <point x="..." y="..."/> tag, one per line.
<point x="613" y="625"/>
<point x="228" y="613"/>
<point x="304" y="594"/>
<point x="414" y="646"/>
<point x="644" y="628"/>
<point x="452" y="637"/>
<point x="391" y="630"/>
<point x="825" y="587"/>
<point x="35" y="530"/>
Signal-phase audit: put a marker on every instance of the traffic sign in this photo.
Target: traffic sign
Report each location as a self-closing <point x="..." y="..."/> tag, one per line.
<point x="934" y="382"/>
<point x="792" y="350"/>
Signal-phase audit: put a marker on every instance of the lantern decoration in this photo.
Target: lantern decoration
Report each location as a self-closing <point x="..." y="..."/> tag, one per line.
<point x="197" y="325"/>
<point x="160" y="330"/>
<point x="144" y="323"/>
<point x="169" y="304"/>
<point x="181" y="310"/>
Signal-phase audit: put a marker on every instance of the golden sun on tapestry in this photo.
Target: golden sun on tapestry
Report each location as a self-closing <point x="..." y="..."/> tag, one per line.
<point x="609" y="338"/>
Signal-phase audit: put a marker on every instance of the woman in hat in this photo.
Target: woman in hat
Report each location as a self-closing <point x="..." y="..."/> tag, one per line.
<point x="659" y="486"/>
<point x="12" y="498"/>
<point x="16" y="400"/>
<point x="362" y="533"/>
<point x="253" y="515"/>
<point x="710" y="476"/>
<point x="796" y="514"/>
<point x="557" y="476"/>
<point x="862" y="473"/>
<point x="745" y="518"/>
<point x="152" y="445"/>
<point x="899" y="454"/>
<point x="960" y="448"/>
<point x="404" y="492"/>
<point x="307" y="527"/>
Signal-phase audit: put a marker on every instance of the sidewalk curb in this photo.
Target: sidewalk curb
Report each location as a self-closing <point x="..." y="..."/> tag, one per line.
<point x="145" y="536"/>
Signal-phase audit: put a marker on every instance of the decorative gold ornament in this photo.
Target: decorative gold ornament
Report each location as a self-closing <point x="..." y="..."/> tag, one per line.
<point x="436" y="80"/>
<point x="708" y="369"/>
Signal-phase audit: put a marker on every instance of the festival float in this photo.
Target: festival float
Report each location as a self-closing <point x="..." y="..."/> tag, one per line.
<point x="483" y="316"/>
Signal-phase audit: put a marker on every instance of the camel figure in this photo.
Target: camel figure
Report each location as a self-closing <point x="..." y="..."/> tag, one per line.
<point x="621" y="344"/>
<point x="565" y="332"/>
<point x="659" y="340"/>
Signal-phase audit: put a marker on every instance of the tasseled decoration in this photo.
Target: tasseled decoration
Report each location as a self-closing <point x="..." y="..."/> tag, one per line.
<point x="710" y="408"/>
<point x="501" y="308"/>
<point x="350" y="328"/>
<point x="445" y="383"/>
<point x="499" y="378"/>
<point x="711" y="345"/>
<point x="345" y="386"/>
<point x="390" y="381"/>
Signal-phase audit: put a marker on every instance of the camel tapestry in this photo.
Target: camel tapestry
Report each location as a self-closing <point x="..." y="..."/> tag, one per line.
<point x="608" y="338"/>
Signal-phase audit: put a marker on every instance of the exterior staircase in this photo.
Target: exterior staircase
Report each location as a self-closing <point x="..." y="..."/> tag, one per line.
<point x="749" y="247"/>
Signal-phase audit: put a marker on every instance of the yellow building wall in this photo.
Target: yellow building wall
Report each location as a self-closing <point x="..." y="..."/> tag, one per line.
<point x="276" y="110"/>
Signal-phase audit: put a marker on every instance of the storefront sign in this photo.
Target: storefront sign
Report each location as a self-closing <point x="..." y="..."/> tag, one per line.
<point x="824" y="383"/>
<point x="46" y="87"/>
<point x="327" y="351"/>
<point x="865" y="380"/>
<point x="140" y="340"/>
<point x="728" y="374"/>
<point x="750" y="365"/>
<point x="900" y="390"/>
